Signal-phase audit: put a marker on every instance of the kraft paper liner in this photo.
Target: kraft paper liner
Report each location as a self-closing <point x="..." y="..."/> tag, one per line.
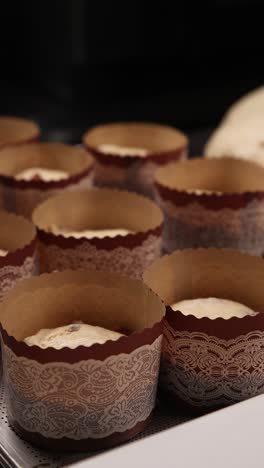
<point x="128" y="241"/>
<point x="18" y="237"/>
<point x="99" y="209"/>
<point x="76" y="161"/>
<point x="212" y="201"/>
<point x="239" y="182"/>
<point x="163" y="143"/>
<point x="15" y="131"/>
<point x="126" y="161"/>
<point x="207" y="363"/>
<point x="231" y="218"/>
<point x="127" y="383"/>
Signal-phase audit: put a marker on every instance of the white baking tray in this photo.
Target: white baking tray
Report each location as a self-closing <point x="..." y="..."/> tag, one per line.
<point x="229" y="438"/>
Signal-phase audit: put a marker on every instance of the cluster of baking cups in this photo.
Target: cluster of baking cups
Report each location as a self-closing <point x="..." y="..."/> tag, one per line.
<point x="88" y="397"/>
<point x="128" y="254"/>
<point x="208" y="363"/>
<point x="212" y="203"/>
<point x="135" y="173"/>
<point x="21" y="196"/>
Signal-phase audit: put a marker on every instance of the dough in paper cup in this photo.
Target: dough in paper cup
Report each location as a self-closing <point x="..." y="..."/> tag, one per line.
<point x="210" y="363"/>
<point x="86" y="398"/>
<point x="133" y="172"/>
<point x="22" y="196"/>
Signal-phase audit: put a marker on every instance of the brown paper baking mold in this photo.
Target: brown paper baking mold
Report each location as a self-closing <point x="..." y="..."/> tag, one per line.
<point x="134" y="173"/>
<point x="89" y="397"/>
<point x="233" y="218"/>
<point x="207" y="363"/>
<point x="99" y="209"/>
<point x="22" y="196"/>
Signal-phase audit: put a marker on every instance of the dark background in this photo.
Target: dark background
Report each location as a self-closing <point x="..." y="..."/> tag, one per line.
<point x="71" y="64"/>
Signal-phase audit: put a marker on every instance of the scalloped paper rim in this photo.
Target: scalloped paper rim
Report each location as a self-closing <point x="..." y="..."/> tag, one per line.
<point x="42" y="185"/>
<point x="160" y="158"/>
<point x="212" y="201"/>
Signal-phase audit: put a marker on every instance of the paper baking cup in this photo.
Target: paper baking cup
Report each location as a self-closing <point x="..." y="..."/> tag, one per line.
<point x="207" y="363"/>
<point x="14" y="131"/>
<point x="18" y="237"/>
<point x="134" y="173"/>
<point x="99" y="209"/>
<point x="86" y="398"/>
<point x="21" y="196"/>
<point x="233" y="218"/>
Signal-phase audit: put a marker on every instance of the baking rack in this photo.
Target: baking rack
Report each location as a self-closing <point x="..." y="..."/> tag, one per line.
<point x="16" y="453"/>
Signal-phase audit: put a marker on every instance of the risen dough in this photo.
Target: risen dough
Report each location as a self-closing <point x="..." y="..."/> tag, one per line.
<point x="213" y="308"/>
<point x="47" y="175"/>
<point x="89" y="233"/>
<point x="72" y="336"/>
<point x="122" y="150"/>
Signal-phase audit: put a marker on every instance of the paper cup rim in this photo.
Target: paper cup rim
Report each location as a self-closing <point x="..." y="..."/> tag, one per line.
<point x="98" y="351"/>
<point x="107" y="242"/>
<point x="73" y="178"/>
<point x="217" y="199"/>
<point x="219" y="327"/>
<point x="160" y="156"/>
<point x="226" y="329"/>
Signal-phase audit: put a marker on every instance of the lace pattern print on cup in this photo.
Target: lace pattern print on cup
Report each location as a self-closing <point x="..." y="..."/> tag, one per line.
<point x="195" y="226"/>
<point x="10" y="274"/>
<point x="128" y="261"/>
<point x="132" y="178"/>
<point x="106" y="175"/>
<point x="23" y="201"/>
<point x="89" y="399"/>
<point x="206" y="371"/>
<point x="137" y="177"/>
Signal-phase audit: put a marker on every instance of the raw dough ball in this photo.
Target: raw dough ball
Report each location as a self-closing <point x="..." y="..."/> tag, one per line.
<point x="213" y="308"/>
<point x="47" y="175"/>
<point x="122" y="150"/>
<point x="72" y="336"/>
